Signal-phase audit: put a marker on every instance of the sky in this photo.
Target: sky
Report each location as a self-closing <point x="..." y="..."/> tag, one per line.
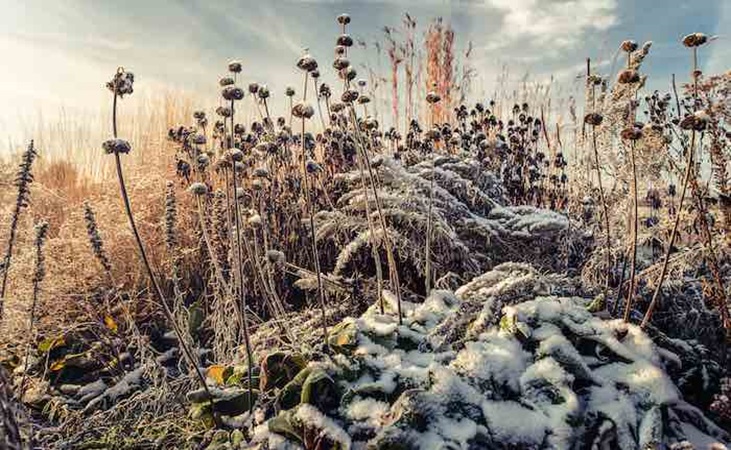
<point x="58" y="54"/>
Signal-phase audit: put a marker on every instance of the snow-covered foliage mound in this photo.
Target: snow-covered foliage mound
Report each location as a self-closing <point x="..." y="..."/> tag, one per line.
<point x="511" y="360"/>
<point x="474" y="228"/>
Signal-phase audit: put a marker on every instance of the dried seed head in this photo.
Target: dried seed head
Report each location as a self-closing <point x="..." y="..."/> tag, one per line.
<point x="224" y="111"/>
<point x="325" y="91"/>
<point x="198" y="189"/>
<point x="234" y="67"/>
<point x="198" y="139"/>
<point x="253" y="88"/>
<point x="315" y="74"/>
<point x="362" y="83"/>
<point x="307" y="63"/>
<point x="313" y="167"/>
<point x="275" y="257"/>
<point x="340" y="50"/>
<point x="303" y="110"/>
<point x="232" y="92"/>
<point x="226" y="81"/>
<point x="345" y="40"/>
<point x="632" y="133"/>
<point x="289" y="92"/>
<point x="202" y="160"/>
<point x="695" y="40"/>
<point x="343" y="19"/>
<point x="257" y="185"/>
<point x="198" y="115"/>
<point x="364" y="99"/>
<point x="696" y="121"/>
<point x="337" y="107"/>
<point x="122" y="83"/>
<point x="263" y="92"/>
<point x="116" y="146"/>
<point x="432" y="97"/>
<point x="629" y="46"/>
<point x="261" y="172"/>
<point x="234" y="154"/>
<point x="349" y="96"/>
<point x="348" y="73"/>
<point x="593" y="119"/>
<point x="341" y="63"/>
<point x="370" y="123"/>
<point x="628" y="76"/>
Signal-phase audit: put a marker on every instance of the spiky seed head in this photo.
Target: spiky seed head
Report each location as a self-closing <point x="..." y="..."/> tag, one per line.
<point x="264" y="92"/>
<point x="628" y="76"/>
<point x="198" y="189"/>
<point x="343" y="19"/>
<point x="593" y="119"/>
<point x="232" y="92"/>
<point x="226" y="81"/>
<point x="303" y="110"/>
<point x="224" y="111"/>
<point x="116" y="145"/>
<point x="695" y="40"/>
<point x="289" y="92"/>
<point x="432" y="97"/>
<point x="345" y="40"/>
<point x="234" y="66"/>
<point x="632" y="133"/>
<point x="629" y="46"/>
<point x="307" y="63"/>
<point x="313" y="166"/>
<point x="123" y="83"/>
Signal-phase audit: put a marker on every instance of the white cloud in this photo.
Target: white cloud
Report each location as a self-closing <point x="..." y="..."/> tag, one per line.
<point x="551" y="24"/>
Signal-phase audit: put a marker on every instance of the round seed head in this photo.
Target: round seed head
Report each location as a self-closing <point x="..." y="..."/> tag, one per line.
<point x="198" y="115"/>
<point x="370" y="123"/>
<point x="628" y="76"/>
<point x="337" y="107"/>
<point x="257" y="185"/>
<point x="629" y="46"/>
<point x="198" y="189"/>
<point x="116" y="146"/>
<point x="348" y="74"/>
<point x="234" y="154"/>
<point x="263" y="92"/>
<point x="307" y="63"/>
<point x="695" y="40"/>
<point x="340" y="50"/>
<point x="362" y="83"/>
<point x="343" y="19"/>
<point x="593" y="119"/>
<point x="226" y="81"/>
<point x="232" y="92"/>
<point x="289" y="92"/>
<point x="198" y="139"/>
<point x="632" y="133"/>
<point x="234" y="67"/>
<point x="224" y="111"/>
<point x="364" y="99"/>
<point x="315" y="74"/>
<point x="432" y="97"/>
<point x="349" y="96"/>
<point x="261" y="172"/>
<point x="253" y="88"/>
<point x="313" y="167"/>
<point x="325" y="91"/>
<point x="203" y="161"/>
<point x="345" y="40"/>
<point x="303" y="110"/>
<point x="122" y="83"/>
<point x="341" y="63"/>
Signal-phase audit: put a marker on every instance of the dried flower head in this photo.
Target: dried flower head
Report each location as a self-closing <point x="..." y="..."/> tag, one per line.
<point x="593" y="119"/>
<point x="695" y="40"/>
<point x="226" y="81"/>
<point x="198" y="189"/>
<point x="632" y="133"/>
<point x="232" y="92"/>
<point x="337" y="107"/>
<point x="303" y="110"/>
<point x="253" y="88"/>
<point x="234" y="67"/>
<point x="234" y="154"/>
<point x="432" y="97"/>
<point x="343" y="19"/>
<point x="116" y="146"/>
<point x="340" y="50"/>
<point x="224" y="111"/>
<point x="289" y="92"/>
<point x="307" y="63"/>
<point x="313" y="166"/>
<point x="345" y="40"/>
<point x="264" y="92"/>
<point x="341" y="63"/>
<point x="122" y="83"/>
<point x="629" y="46"/>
